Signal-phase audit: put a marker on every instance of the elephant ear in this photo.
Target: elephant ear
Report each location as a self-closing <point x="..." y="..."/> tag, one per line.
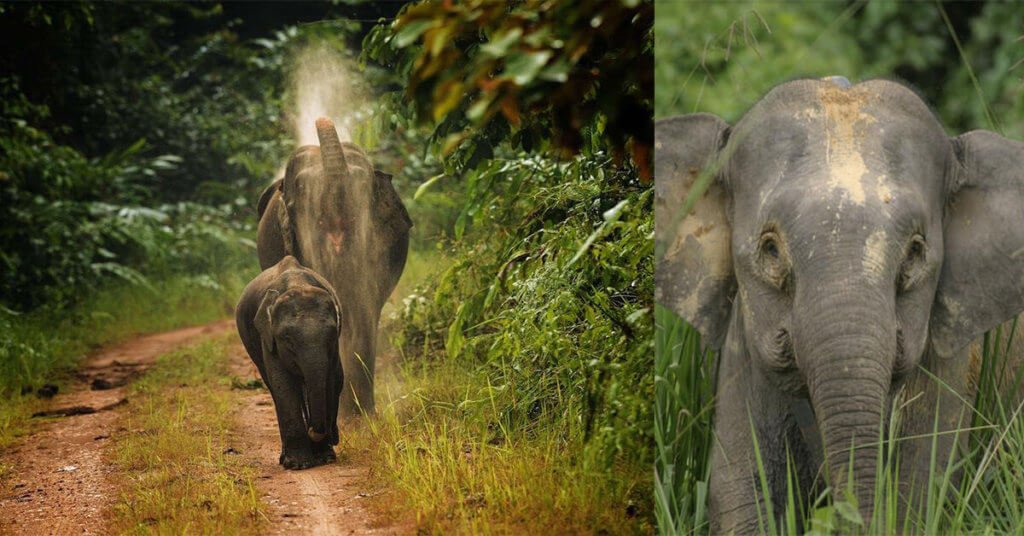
<point x="982" y="279"/>
<point x="324" y="284"/>
<point x="694" y="275"/>
<point x="387" y="200"/>
<point x="264" y="322"/>
<point x="265" y="197"/>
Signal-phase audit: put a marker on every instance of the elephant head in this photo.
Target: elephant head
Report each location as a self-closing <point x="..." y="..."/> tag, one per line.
<point x="850" y="237"/>
<point x="298" y="321"/>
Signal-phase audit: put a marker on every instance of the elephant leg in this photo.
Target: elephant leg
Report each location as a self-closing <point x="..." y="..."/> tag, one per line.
<point x="934" y="409"/>
<point x="358" y="360"/>
<point x="748" y="401"/>
<point x="297" y="450"/>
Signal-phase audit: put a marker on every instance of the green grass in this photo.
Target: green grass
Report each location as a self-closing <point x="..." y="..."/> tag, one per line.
<point x="684" y="385"/>
<point x="441" y="444"/>
<point x="461" y="454"/>
<point x="987" y="499"/>
<point x="42" y="347"/>
<point x="176" y="478"/>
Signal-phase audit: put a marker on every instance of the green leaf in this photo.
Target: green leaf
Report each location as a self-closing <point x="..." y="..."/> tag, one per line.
<point x="849" y="512"/>
<point x="524" y="68"/>
<point x="426" y="185"/>
<point x="478" y="109"/>
<point x="408" y="34"/>
<point x="611" y="216"/>
<point x="498" y="47"/>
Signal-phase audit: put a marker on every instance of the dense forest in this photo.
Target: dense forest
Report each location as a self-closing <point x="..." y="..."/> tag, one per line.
<point x="136" y="139"/>
<point x="966" y="59"/>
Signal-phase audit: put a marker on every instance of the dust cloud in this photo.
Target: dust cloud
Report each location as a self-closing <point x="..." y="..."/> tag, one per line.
<point x="322" y="85"/>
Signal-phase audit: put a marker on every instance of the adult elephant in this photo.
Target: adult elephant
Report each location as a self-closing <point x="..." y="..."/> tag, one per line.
<point x="338" y="216"/>
<point x="846" y="249"/>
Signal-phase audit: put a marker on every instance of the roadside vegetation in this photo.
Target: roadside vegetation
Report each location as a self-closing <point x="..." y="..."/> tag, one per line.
<point x="522" y="395"/>
<point x="965" y="59"/>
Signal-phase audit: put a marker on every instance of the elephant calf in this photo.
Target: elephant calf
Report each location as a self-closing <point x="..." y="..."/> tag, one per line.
<point x="289" y="321"/>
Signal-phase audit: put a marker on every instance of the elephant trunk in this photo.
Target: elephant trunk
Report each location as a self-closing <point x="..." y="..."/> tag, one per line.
<point x="331" y="152"/>
<point x="319" y="394"/>
<point x="847" y="357"/>
<point x="317" y="427"/>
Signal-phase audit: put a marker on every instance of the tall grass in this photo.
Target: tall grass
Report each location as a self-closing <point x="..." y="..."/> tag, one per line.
<point x="443" y="445"/>
<point x="979" y="492"/>
<point x="683" y="388"/>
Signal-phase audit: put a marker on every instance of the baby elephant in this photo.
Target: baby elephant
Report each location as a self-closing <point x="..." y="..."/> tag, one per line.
<point x="288" y="318"/>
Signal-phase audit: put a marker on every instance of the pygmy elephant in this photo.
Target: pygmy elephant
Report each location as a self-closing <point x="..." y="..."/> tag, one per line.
<point x="288" y="318"/>
<point x="341" y="218"/>
<point x="845" y="253"/>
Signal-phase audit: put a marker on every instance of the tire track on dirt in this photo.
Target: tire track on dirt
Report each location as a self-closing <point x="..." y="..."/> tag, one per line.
<point x="326" y="500"/>
<point x="60" y="481"/>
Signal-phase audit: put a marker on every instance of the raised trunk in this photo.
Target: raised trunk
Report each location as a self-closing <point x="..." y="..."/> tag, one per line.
<point x="331" y="152"/>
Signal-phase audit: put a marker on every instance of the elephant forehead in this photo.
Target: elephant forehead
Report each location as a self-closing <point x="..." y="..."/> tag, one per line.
<point x="853" y="132"/>
<point x="845" y="124"/>
<point x="837" y="153"/>
<point x="355" y="157"/>
<point x="307" y="179"/>
<point x="305" y="299"/>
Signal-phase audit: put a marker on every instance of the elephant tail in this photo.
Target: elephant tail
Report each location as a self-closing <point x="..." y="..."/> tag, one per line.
<point x="330" y="149"/>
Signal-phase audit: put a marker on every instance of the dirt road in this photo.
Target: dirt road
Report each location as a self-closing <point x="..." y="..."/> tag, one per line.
<point x="326" y="500"/>
<point x="60" y="481"/>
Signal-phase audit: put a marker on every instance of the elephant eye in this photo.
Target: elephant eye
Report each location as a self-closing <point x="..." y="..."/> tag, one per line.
<point x="771" y="259"/>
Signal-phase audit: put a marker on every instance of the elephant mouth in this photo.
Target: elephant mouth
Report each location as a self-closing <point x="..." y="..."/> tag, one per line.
<point x="781" y="357"/>
<point x="901" y="366"/>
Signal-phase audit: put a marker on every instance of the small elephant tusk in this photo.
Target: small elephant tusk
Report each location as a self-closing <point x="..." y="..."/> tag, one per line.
<point x="316" y="437"/>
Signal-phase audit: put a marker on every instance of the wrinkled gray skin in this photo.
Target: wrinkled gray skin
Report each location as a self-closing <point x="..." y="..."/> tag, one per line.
<point x="288" y="318"/>
<point x="341" y="218"/>
<point x="845" y="246"/>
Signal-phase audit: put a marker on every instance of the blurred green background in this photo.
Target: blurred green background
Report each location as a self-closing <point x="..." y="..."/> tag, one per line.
<point x="965" y="59"/>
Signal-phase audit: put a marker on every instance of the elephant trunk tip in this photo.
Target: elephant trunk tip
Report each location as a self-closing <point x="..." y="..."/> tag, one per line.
<point x="314" y="435"/>
<point x="324" y="123"/>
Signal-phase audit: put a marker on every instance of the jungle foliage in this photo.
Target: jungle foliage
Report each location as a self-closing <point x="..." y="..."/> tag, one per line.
<point x="549" y="295"/>
<point x="967" y="61"/>
<point x="534" y="73"/>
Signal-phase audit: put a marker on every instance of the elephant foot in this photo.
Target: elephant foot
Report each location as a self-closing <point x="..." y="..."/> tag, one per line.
<point x="297" y="459"/>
